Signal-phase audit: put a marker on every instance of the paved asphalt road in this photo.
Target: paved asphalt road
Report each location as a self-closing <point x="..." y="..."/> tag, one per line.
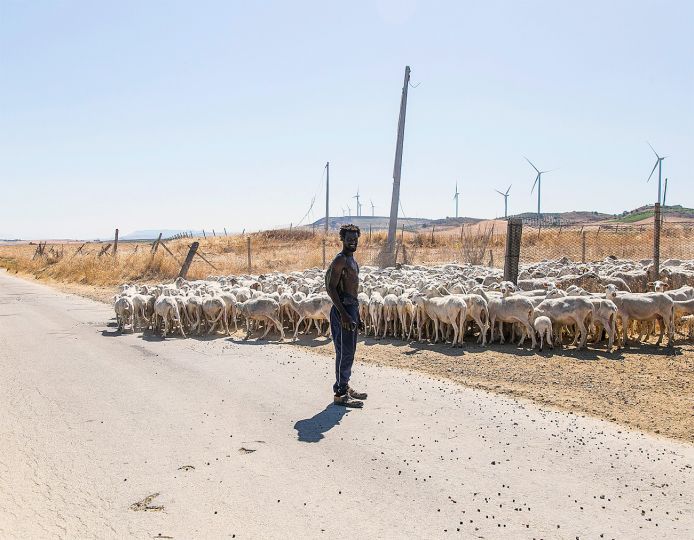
<point x="234" y="439"/>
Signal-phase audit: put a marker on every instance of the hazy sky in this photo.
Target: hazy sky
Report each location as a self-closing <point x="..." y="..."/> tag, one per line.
<point x="153" y="114"/>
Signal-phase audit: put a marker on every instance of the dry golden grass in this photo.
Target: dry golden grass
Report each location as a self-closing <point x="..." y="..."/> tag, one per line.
<point x="285" y="250"/>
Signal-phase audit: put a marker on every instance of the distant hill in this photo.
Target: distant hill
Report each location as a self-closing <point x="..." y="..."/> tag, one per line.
<point x="153" y="234"/>
<point x="671" y="212"/>
<point x="376" y="223"/>
<point x="364" y="222"/>
<point x="555" y="219"/>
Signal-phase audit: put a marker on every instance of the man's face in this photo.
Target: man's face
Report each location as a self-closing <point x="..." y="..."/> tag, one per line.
<point x="351" y="241"/>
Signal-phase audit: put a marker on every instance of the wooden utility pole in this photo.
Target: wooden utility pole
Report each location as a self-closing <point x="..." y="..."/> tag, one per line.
<point x="397" y="169"/>
<point x="327" y="196"/>
<point x="189" y="259"/>
<point x="327" y="207"/>
<point x="656" y="241"/>
<point x="583" y="245"/>
<point x="115" y="243"/>
<point x="514" y="234"/>
<point x="248" y="242"/>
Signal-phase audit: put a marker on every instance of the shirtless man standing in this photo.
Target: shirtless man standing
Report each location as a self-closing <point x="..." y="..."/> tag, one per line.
<point x="342" y="283"/>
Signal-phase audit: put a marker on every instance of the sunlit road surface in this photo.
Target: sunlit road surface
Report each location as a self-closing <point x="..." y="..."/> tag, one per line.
<point x="112" y="436"/>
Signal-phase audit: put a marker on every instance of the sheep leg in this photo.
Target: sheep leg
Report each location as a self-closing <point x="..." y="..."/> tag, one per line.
<point x="180" y="325"/>
<point x="662" y="330"/>
<point x="625" y="330"/>
<point x="267" y="328"/>
<point x="522" y="339"/>
<point x="279" y="327"/>
<point x="225" y="321"/>
<point x="296" y="327"/>
<point x="483" y="331"/>
<point x="530" y="332"/>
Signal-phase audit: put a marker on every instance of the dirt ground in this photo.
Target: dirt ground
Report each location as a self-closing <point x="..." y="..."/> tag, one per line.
<point x="645" y="387"/>
<point x="648" y="388"/>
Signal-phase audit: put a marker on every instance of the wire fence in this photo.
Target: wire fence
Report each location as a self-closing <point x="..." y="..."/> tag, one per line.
<point x="292" y="248"/>
<point x="486" y="244"/>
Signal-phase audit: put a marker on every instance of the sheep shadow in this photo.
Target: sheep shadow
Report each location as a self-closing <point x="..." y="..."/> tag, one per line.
<point x="564" y="352"/>
<point x="150" y="336"/>
<point x="311" y="430"/>
<point x="113" y="333"/>
<point x="303" y="339"/>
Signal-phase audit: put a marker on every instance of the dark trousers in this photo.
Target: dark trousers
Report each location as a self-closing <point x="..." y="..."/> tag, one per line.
<point x="345" y="345"/>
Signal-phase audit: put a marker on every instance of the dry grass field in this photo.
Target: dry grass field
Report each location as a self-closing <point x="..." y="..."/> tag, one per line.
<point x="285" y="250"/>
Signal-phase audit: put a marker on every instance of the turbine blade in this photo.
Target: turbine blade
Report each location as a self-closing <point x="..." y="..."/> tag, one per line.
<point x="531" y="164"/>
<point x="656" y="153"/>
<point x="665" y="192"/>
<point x="500" y="193"/>
<point x="535" y="182"/>
<point x="654" y="168"/>
<point x="509" y="189"/>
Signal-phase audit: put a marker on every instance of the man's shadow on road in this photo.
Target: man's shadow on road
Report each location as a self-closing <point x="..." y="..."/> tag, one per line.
<point x="311" y="429"/>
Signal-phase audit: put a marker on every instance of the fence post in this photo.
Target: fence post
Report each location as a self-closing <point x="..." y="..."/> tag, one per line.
<point x="204" y="235"/>
<point x="214" y="233"/>
<point x="656" y="241"/>
<point x="514" y="233"/>
<point x="248" y="243"/>
<point x="189" y="259"/>
<point x="583" y="246"/>
<point x="115" y="243"/>
<point x="155" y="246"/>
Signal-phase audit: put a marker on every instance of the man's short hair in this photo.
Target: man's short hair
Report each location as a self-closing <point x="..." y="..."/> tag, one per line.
<point x="349" y="228"/>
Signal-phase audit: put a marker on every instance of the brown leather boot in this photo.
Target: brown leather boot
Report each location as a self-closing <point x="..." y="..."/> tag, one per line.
<point x="347" y="401"/>
<point x="351" y="392"/>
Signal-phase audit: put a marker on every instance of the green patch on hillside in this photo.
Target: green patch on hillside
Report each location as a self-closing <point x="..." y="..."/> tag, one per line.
<point x="637" y="216"/>
<point x="646" y="212"/>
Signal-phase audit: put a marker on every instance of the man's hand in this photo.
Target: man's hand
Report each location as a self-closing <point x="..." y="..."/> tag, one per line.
<point x="347" y="322"/>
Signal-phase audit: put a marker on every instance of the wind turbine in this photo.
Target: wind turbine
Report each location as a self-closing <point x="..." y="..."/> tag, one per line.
<point x="358" y="204"/>
<point x="659" y="165"/>
<point x="538" y="182"/>
<point x="457" y="194"/>
<point x="349" y="211"/>
<point x="372" y="206"/>
<point x="505" y="196"/>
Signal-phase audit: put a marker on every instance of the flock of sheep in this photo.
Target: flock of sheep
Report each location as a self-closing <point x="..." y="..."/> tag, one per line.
<point x="553" y="302"/>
